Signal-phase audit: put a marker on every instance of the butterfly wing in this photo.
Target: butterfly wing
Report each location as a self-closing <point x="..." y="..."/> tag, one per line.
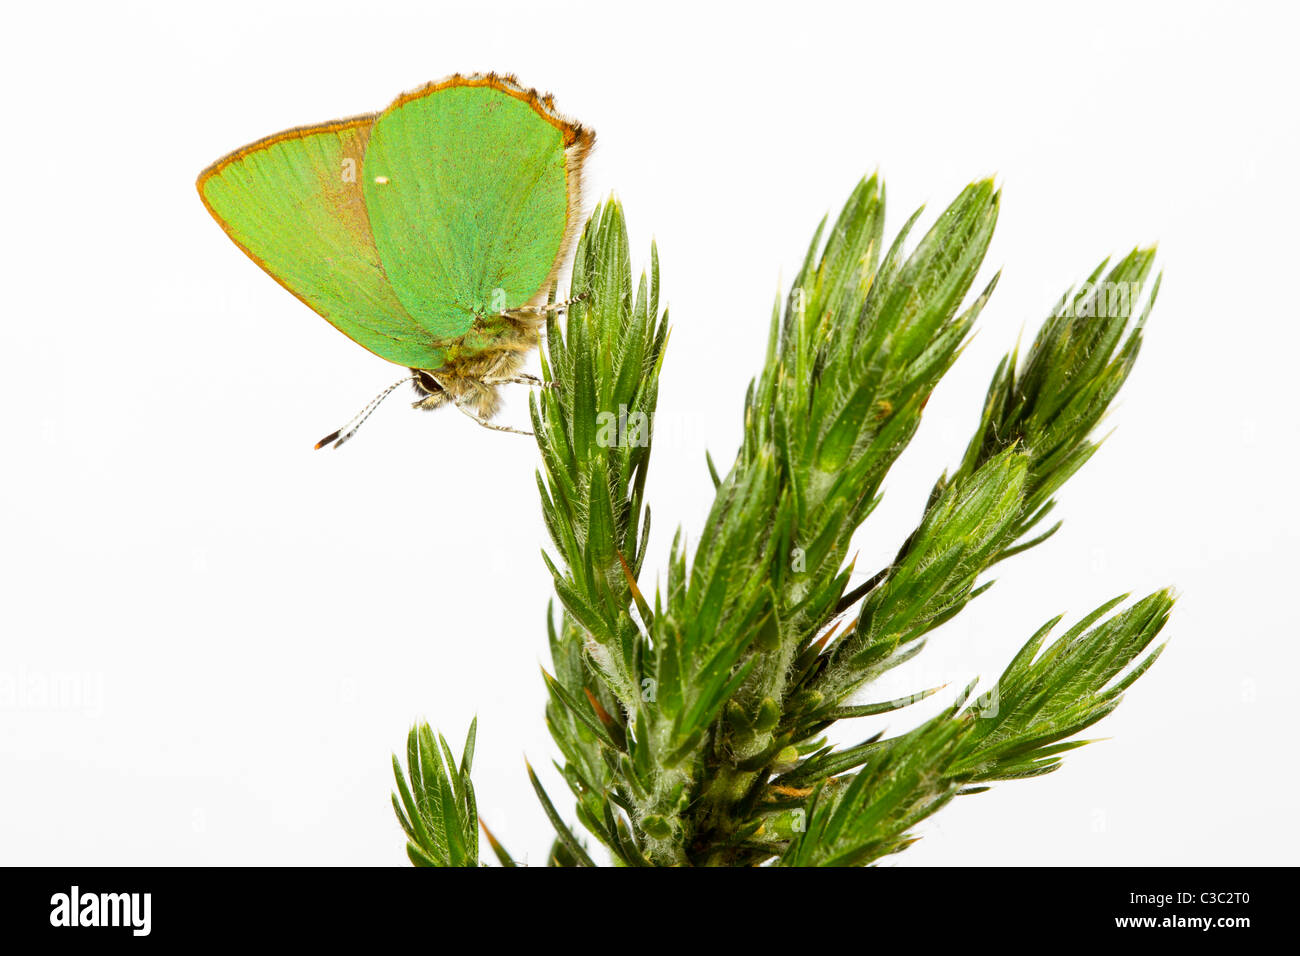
<point x="293" y="203"/>
<point x="472" y="186"/>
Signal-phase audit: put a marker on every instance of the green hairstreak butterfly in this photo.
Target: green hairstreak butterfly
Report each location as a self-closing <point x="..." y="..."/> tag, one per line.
<point x="430" y="233"/>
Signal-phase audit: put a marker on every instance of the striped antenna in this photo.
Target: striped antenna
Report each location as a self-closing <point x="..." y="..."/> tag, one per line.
<point x="338" y="437"/>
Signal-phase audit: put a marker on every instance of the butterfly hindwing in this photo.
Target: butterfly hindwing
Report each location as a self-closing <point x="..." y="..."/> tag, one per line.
<point x="294" y="203"/>
<point x="471" y="186"/>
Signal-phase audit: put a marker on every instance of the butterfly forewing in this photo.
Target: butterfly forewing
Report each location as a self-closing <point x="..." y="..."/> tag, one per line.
<point x="294" y="204"/>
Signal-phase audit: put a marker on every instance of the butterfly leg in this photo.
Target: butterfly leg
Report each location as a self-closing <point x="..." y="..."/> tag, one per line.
<point x="522" y="379"/>
<point x="528" y="311"/>
<point x="487" y="424"/>
<point x="462" y="392"/>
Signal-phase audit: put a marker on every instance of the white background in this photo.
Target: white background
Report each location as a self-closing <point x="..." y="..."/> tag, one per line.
<point x="212" y="637"/>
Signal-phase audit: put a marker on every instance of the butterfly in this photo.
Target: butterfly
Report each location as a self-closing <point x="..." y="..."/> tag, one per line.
<point x="430" y="233"/>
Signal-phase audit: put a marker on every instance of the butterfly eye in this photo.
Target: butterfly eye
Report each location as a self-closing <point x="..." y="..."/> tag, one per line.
<point x="426" y="382"/>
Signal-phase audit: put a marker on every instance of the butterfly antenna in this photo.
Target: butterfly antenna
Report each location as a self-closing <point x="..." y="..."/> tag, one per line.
<point x="337" y="438"/>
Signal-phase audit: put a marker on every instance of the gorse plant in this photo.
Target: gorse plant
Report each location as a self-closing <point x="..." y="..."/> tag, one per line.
<point x="692" y="723"/>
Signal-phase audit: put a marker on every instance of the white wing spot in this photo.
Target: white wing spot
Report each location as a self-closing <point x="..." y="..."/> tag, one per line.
<point x="381" y="180"/>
